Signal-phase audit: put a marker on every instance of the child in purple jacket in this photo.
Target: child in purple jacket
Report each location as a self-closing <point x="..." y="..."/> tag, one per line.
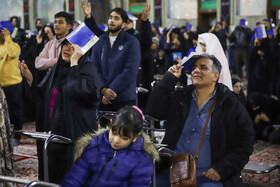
<point x="121" y="156"/>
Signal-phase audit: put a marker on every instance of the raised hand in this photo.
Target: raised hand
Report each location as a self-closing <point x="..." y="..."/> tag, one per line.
<point x="86" y="9"/>
<point x="26" y="72"/>
<point x="146" y="12"/>
<point x="6" y="31"/>
<point x="76" y="55"/>
<point x="176" y="69"/>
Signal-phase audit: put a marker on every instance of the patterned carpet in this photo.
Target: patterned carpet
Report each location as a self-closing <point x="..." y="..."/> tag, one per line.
<point x="268" y="153"/>
<point x="26" y="160"/>
<point x="26" y="164"/>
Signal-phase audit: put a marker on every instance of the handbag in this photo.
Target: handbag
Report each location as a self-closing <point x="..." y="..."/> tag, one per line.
<point x="183" y="166"/>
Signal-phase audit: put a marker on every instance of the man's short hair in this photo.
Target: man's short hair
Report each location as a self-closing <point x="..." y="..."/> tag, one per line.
<point x="121" y="12"/>
<point x="67" y="16"/>
<point x="216" y="63"/>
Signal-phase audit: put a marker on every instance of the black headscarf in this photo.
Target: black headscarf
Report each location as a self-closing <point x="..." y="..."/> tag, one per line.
<point x="62" y="70"/>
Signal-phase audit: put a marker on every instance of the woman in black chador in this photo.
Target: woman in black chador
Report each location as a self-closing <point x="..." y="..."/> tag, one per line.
<point x="70" y="99"/>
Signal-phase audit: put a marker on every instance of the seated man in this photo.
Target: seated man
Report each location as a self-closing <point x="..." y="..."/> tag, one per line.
<point x="229" y="136"/>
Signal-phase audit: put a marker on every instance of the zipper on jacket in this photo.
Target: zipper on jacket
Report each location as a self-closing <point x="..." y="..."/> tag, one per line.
<point x="103" y="168"/>
<point x="112" y="170"/>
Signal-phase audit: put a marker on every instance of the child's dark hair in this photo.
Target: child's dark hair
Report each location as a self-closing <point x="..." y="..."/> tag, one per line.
<point x="128" y="122"/>
<point x="67" y="16"/>
<point x="121" y="12"/>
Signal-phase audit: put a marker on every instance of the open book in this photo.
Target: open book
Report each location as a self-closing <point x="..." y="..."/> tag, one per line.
<point x="83" y="37"/>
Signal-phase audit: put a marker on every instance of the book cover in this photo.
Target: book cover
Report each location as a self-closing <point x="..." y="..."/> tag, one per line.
<point x="260" y="32"/>
<point x="8" y="25"/>
<point x="189" y="60"/>
<point x="83" y="37"/>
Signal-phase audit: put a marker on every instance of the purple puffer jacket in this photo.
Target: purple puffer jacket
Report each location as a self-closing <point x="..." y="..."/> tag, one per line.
<point x="100" y="165"/>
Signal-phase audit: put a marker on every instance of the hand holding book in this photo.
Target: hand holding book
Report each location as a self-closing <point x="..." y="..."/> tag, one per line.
<point x="83" y="37"/>
<point x="77" y="55"/>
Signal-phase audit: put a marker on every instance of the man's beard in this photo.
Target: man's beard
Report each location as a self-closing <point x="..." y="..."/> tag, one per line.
<point x="117" y="29"/>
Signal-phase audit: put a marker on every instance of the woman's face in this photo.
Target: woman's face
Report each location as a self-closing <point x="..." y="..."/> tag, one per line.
<point x="203" y="46"/>
<point x="237" y="88"/>
<point x="67" y="51"/>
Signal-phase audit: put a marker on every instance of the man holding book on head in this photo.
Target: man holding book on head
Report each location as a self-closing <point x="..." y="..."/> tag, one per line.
<point x="228" y="135"/>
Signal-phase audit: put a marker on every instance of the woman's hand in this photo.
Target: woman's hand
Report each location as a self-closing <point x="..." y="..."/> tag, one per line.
<point x="26" y="72"/>
<point x="76" y="55"/>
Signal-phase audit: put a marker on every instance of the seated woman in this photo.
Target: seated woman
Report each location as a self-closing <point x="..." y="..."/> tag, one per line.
<point x="70" y="96"/>
<point x="121" y="156"/>
<point x="237" y="90"/>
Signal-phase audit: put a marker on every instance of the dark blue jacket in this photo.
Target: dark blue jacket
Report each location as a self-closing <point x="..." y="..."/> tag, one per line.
<point x="118" y="65"/>
<point x="100" y="165"/>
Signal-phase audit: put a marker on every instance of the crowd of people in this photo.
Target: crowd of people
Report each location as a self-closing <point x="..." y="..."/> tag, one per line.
<point x="46" y="75"/>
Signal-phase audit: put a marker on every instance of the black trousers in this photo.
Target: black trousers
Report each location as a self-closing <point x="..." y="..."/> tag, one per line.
<point x="14" y="100"/>
<point x="115" y="106"/>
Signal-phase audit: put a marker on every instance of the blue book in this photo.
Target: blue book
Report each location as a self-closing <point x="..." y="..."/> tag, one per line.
<point x="83" y="37"/>
<point x="171" y="27"/>
<point x="8" y="25"/>
<point x="260" y="32"/>
<point x="176" y="55"/>
<point x="189" y="60"/>
<point x="243" y="23"/>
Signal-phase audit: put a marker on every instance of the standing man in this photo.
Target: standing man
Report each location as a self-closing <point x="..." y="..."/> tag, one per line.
<point x="229" y="136"/>
<point x="117" y="57"/>
<point x="241" y="37"/>
<point x="49" y="56"/>
<point x="10" y="79"/>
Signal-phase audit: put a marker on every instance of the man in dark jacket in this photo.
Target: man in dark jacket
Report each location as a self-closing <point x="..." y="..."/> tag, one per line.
<point x="241" y="37"/>
<point x="117" y="57"/>
<point x="144" y="35"/>
<point x="229" y="136"/>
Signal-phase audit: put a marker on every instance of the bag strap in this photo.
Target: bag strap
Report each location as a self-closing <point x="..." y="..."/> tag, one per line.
<point x="204" y="128"/>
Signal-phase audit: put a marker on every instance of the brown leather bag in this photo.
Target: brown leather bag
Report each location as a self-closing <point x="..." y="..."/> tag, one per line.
<point x="183" y="166"/>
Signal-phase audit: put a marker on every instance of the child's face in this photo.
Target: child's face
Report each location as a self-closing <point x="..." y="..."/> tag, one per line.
<point x="119" y="142"/>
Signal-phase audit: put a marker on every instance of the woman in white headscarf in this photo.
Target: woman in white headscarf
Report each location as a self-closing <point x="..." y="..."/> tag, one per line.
<point x="209" y="43"/>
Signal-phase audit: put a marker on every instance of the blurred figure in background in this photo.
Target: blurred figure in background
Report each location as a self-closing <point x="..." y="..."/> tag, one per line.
<point x="19" y="35"/>
<point x="11" y="80"/>
<point x="237" y="90"/>
<point x="241" y="37"/>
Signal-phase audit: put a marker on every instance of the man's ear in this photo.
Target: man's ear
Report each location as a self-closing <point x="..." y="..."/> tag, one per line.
<point x="135" y="138"/>
<point x="69" y="26"/>
<point x="216" y="76"/>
